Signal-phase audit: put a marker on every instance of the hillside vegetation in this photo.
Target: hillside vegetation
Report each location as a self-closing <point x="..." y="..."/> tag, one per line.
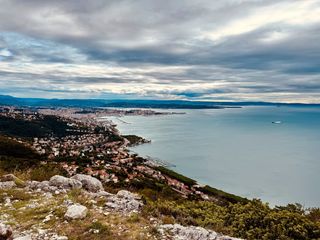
<point x="228" y="214"/>
<point x="40" y="127"/>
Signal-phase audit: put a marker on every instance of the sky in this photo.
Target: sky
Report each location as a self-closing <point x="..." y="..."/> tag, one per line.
<point x="222" y="50"/>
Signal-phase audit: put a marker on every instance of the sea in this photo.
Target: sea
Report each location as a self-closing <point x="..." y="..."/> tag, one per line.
<point x="267" y="152"/>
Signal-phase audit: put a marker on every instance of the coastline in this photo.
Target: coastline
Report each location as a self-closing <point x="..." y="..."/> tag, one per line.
<point x="221" y="149"/>
<point x="64" y="147"/>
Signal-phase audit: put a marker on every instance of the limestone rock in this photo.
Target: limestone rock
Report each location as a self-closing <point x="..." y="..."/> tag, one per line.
<point x="5" y="232"/>
<point x="188" y="233"/>
<point x="89" y="183"/>
<point x="76" y="211"/>
<point x="179" y="232"/>
<point x="227" y="238"/>
<point x="62" y="238"/>
<point x="125" y="202"/>
<point x="7" y="185"/>
<point x="42" y="186"/>
<point x="127" y="195"/>
<point x="65" y="183"/>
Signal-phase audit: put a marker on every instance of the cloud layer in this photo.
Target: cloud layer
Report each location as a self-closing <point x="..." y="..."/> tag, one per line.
<point x="248" y="50"/>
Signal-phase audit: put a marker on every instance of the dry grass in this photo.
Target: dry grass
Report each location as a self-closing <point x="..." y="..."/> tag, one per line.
<point x="29" y="210"/>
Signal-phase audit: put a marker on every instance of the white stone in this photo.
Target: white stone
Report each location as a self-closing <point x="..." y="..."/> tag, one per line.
<point x="180" y="232"/>
<point x="27" y="237"/>
<point x="127" y="195"/>
<point x="76" y="211"/>
<point x="7" y="202"/>
<point x="227" y="238"/>
<point x="188" y="233"/>
<point x="7" y="185"/>
<point x="89" y="183"/>
<point x="5" y="231"/>
<point x="65" y="183"/>
<point x="125" y="202"/>
<point x="62" y="238"/>
<point x="41" y="186"/>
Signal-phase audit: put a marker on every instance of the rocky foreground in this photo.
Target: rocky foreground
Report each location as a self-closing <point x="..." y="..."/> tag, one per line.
<point x="63" y="207"/>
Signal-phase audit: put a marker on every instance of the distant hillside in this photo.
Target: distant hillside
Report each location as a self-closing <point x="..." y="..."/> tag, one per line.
<point x="42" y="127"/>
<point x="129" y="103"/>
<point x="15" y="155"/>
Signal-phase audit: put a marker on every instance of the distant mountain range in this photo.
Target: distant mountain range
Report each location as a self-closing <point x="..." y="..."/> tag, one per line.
<point x="129" y="103"/>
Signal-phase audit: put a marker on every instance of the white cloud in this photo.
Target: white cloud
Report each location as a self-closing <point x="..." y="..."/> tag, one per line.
<point x="274" y="36"/>
<point x="5" y="53"/>
<point x="288" y="12"/>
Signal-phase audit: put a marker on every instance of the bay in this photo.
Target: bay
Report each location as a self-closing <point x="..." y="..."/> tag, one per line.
<point x="239" y="150"/>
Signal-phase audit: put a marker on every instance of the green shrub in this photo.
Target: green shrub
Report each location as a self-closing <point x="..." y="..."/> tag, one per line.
<point x="16" y="156"/>
<point x="223" y="195"/>
<point x="251" y="220"/>
<point x="177" y="176"/>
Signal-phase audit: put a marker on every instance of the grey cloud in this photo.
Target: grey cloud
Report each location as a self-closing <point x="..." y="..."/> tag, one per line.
<point x="146" y="33"/>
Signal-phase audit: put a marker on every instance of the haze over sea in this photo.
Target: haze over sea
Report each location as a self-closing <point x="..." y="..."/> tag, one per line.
<point x="240" y="150"/>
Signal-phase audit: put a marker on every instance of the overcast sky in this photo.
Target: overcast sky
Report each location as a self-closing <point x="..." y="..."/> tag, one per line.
<point x="228" y="50"/>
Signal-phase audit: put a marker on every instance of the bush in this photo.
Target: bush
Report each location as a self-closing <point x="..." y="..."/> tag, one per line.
<point x="177" y="176"/>
<point x="251" y="220"/>
<point x="223" y="195"/>
<point x="16" y="156"/>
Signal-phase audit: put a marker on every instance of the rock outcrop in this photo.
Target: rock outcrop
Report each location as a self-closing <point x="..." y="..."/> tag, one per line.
<point x="125" y="202"/>
<point x="41" y="235"/>
<point x="89" y="183"/>
<point x="58" y="184"/>
<point x="7" y="185"/>
<point x="65" y="183"/>
<point x="41" y="186"/>
<point x="179" y="232"/>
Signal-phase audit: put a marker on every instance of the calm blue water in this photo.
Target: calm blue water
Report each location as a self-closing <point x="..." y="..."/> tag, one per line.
<point x="239" y="150"/>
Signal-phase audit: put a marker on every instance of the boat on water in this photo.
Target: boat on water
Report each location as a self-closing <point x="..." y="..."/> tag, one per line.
<point x="276" y="122"/>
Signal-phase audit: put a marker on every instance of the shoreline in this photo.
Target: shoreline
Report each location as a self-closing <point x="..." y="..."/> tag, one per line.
<point x="272" y="201"/>
<point x="114" y="158"/>
<point x="66" y="148"/>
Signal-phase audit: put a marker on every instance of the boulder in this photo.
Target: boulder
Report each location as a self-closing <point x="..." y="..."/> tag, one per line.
<point x="188" y="233"/>
<point x="177" y="231"/>
<point x="89" y="183"/>
<point x="5" y="232"/>
<point x="64" y="183"/>
<point x="125" y="202"/>
<point x="76" y="211"/>
<point x="7" y="185"/>
<point x="128" y="195"/>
